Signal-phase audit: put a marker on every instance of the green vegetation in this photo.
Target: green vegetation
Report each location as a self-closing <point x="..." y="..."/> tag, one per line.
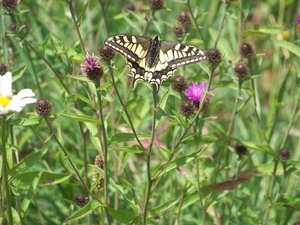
<point x="218" y="144"/>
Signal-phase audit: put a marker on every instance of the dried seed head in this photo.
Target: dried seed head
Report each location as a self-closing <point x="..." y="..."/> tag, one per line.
<point x="184" y="19"/>
<point x="213" y="56"/>
<point x="3" y="69"/>
<point x="156" y="4"/>
<point x="43" y="107"/>
<point x="241" y="71"/>
<point x="240" y="150"/>
<point x="180" y="85"/>
<point x="246" y="50"/>
<point x="80" y="200"/>
<point x="106" y="53"/>
<point x="9" y="5"/>
<point x="99" y="162"/>
<point x="284" y="154"/>
<point x="178" y="32"/>
<point x="187" y="109"/>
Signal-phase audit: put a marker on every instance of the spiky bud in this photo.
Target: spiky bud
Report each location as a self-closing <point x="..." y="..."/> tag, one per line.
<point x="43" y="107"/>
<point x="246" y="50"/>
<point x="184" y="19"/>
<point x="156" y="4"/>
<point x="241" y="70"/>
<point x="9" y="5"/>
<point x="240" y="150"/>
<point x="180" y="84"/>
<point x="178" y="32"/>
<point x="106" y="53"/>
<point x="213" y="57"/>
<point x="80" y="200"/>
<point x="187" y="108"/>
<point x="284" y="154"/>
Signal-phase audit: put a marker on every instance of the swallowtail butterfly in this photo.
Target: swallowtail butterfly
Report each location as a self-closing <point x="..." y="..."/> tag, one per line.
<point x="153" y="60"/>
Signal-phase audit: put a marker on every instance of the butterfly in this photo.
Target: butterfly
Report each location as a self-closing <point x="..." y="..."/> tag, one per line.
<point x="153" y="60"/>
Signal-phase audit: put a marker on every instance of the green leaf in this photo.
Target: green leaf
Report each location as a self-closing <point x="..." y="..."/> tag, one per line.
<point x="122" y="216"/>
<point x="136" y="149"/>
<point x="288" y="45"/>
<point x="82" y="118"/>
<point x="84" y="211"/>
<point x="123" y="137"/>
<point x="263" y="29"/>
<point x="26" y="163"/>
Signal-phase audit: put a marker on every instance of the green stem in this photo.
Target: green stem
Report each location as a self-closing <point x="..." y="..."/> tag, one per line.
<point x="103" y="10"/>
<point x="124" y="107"/>
<point x="222" y="25"/>
<point x="272" y="183"/>
<point x="145" y="31"/>
<point x="5" y="171"/>
<point x="70" y="3"/>
<point x="4" y="44"/>
<point x="105" y="152"/>
<point x="149" y="180"/>
<point x="194" y="19"/>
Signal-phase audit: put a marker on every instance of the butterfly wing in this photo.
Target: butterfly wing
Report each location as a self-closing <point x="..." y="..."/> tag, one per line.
<point x="134" y="48"/>
<point x="173" y="55"/>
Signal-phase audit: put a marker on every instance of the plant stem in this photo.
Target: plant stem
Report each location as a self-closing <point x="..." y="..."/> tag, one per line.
<point x="124" y="107"/>
<point x="70" y="3"/>
<point x="145" y="31"/>
<point x="222" y="25"/>
<point x="5" y="171"/>
<point x="272" y="183"/>
<point x="149" y="180"/>
<point x="105" y="152"/>
<point x="103" y="10"/>
<point x="194" y="19"/>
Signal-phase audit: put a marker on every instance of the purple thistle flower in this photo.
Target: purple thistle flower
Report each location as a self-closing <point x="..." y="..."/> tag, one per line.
<point x="298" y="19"/>
<point x="195" y="92"/>
<point x="90" y="63"/>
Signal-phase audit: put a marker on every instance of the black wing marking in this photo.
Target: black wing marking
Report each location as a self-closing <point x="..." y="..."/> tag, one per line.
<point x="132" y="47"/>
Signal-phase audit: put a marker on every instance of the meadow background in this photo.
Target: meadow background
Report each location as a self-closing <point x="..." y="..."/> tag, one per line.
<point x="236" y="161"/>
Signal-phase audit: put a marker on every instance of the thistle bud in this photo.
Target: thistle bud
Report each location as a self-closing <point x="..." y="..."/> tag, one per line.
<point x="43" y="107"/>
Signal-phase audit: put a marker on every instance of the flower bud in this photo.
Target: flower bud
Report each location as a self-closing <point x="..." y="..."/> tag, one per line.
<point x="180" y="84"/>
<point x="184" y="19"/>
<point x="3" y="69"/>
<point x="187" y="109"/>
<point x="284" y="154"/>
<point x="43" y="107"/>
<point x="213" y="56"/>
<point x="246" y="50"/>
<point x="241" y="71"/>
<point x="106" y="53"/>
<point x="178" y="32"/>
<point x="80" y="200"/>
<point x="9" y="5"/>
<point x="156" y="4"/>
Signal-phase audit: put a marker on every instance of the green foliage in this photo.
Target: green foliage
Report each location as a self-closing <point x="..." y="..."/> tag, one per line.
<point x="154" y="165"/>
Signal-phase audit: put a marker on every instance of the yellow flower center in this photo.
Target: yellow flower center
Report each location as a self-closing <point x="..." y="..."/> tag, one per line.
<point x="4" y="101"/>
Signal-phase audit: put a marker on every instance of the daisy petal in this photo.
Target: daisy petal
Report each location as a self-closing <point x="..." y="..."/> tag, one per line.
<point x="24" y="94"/>
<point x="5" y="85"/>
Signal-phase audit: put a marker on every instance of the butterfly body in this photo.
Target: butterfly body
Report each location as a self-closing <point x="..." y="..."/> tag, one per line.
<point x="153" y="60"/>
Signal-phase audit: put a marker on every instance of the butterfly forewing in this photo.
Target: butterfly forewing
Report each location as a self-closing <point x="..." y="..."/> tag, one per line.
<point x="132" y="47"/>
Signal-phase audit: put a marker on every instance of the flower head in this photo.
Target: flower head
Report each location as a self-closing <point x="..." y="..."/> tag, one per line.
<point x="43" y="107"/>
<point x="298" y="19"/>
<point x="214" y="57"/>
<point x="91" y="67"/>
<point x="13" y="103"/>
<point x="195" y="92"/>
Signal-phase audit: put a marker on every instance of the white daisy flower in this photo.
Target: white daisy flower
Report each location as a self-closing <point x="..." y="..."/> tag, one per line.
<point x="13" y="103"/>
